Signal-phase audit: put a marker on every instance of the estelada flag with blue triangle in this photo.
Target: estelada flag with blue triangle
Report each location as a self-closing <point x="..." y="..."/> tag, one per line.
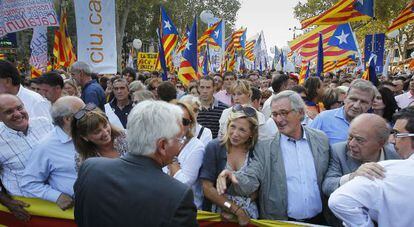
<point x="343" y="11"/>
<point x="184" y="40"/>
<point x="189" y="60"/>
<point x="213" y="36"/>
<point x="370" y="73"/>
<point x="343" y="38"/>
<point x="169" y="34"/>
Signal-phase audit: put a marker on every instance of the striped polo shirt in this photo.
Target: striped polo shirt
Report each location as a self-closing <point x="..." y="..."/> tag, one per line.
<point x="210" y="117"/>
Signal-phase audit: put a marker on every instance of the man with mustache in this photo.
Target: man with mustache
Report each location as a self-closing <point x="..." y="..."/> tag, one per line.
<point x="335" y="123"/>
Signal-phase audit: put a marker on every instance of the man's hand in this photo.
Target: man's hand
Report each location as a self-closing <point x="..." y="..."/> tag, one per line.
<point x="64" y="201"/>
<point x="370" y="170"/>
<point x="242" y="217"/>
<point x="221" y="183"/>
<point x="17" y="209"/>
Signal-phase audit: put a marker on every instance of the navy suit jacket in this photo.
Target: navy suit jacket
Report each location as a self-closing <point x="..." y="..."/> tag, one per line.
<point x="131" y="191"/>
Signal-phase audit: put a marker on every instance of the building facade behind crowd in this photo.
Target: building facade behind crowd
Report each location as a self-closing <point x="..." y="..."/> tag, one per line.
<point x="286" y="147"/>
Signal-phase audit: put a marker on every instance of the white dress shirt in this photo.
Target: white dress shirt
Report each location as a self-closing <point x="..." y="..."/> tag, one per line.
<point x="404" y="99"/>
<point x="304" y="197"/>
<point x="15" y="150"/>
<point x="35" y="104"/>
<point x="51" y="170"/>
<point x="206" y="135"/>
<point x="190" y="159"/>
<point x="389" y="202"/>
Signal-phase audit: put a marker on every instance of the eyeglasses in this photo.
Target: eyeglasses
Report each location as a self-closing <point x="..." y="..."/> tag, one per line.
<point x="249" y="111"/>
<point x="181" y="140"/>
<point x="187" y="122"/>
<point x="79" y="115"/>
<point x="397" y="134"/>
<point x="340" y="102"/>
<point x="283" y="113"/>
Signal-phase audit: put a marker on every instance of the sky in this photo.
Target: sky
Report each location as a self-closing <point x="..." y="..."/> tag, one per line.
<point x="274" y="17"/>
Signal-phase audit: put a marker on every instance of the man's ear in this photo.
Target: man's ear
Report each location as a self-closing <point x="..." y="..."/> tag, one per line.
<point x="161" y="146"/>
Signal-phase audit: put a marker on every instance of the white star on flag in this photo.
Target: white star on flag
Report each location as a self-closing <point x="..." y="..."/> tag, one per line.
<point x="187" y="46"/>
<point x="167" y="24"/>
<point x="361" y="1"/>
<point x="216" y="34"/>
<point x="342" y="37"/>
<point x="188" y="34"/>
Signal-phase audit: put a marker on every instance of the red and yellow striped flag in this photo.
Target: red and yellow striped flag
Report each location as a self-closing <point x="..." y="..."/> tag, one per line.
<point x="62" y="47"/>
<point x="206" y="37"/>
<point x="329" y="66"/>
<point x="249" y="53"/>
<point x="35" y="73"/>
<point x="405" y="17"/>
<point x="342" y="12"/>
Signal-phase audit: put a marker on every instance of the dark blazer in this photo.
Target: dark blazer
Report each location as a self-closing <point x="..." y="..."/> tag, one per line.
<point x="341" y="164"/>
<point x="267" y="173"/>
<point x="131" y="191"/>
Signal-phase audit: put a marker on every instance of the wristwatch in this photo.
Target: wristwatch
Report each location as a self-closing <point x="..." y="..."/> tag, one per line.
<point x="227" y="205"/>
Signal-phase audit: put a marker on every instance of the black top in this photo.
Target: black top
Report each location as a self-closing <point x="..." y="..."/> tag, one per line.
<point x="210" y="117"/>
<point x="122" y="114"/>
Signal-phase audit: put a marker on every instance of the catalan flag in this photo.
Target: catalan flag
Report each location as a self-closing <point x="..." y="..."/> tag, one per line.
<point x="304" y="72"/>
<point x="236" y="40"/>
<point x="35" y="73"/>
<point x="62" y="46"/>
<point x="405" y="17"/>
<point x="161" y="64"/>
<point x="249" y="54"/>
<point x="345" y="61"/>
<point x="342" y="12"/>
<point x="370" y="73"/>
<point x="211" y="36"/>
<point x="329" y="66"/>
<point x="169" y="35"/>
<point x="184" y="40"/>
<point x="189" y="62"/>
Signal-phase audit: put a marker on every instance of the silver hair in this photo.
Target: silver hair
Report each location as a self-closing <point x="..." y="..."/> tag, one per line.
<point x="81" y="66"/>
<point x="296" y="101"/>
<point x="362" y="85"/>
<point x="150" y="121"/>
<point x="136" y="86"/>
<point x="63" y="107"/>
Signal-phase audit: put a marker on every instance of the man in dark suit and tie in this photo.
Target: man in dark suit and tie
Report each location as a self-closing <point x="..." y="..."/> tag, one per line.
<point x="133" y="190"/>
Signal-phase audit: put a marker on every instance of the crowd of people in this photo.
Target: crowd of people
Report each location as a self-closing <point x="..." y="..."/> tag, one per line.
<point x="132" y="148"/>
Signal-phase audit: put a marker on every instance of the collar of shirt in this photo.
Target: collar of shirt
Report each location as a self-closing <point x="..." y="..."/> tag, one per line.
<point x="5" y="128"/>
<point x="214" y="104"/>
<point x="287" y="138"/>
<point x="63" y="137"/>
<point x="411" y="157"/>
<point x="89" y="83"/>
<point x="382" y="155"/>
<point x="340" y="113"/>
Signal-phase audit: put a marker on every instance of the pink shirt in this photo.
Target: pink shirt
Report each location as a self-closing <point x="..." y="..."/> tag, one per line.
<point x="224" y="97"/>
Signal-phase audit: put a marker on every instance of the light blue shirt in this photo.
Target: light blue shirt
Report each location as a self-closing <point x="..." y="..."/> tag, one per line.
<point x="333" y="123"/>
<point x="304" y="197"/>
<point x="50" y="170"/>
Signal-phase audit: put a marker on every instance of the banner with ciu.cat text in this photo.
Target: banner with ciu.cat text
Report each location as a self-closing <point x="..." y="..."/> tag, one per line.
<point x="96" y="32"/>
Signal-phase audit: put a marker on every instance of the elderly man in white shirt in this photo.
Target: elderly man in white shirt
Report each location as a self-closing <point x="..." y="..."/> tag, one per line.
<point x="51" y="172"/>
<point x="19" y="135"/>
<point x="35" y="104"/>
<point x="390" y="201"/>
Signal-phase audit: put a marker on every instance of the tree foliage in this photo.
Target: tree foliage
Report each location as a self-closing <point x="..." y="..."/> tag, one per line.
<point x="385" y="12"/>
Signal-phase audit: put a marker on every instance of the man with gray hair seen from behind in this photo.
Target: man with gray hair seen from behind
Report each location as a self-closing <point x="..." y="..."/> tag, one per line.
<point x="288" y="169"/>
<point x="133" y="189"/>
<point x="92" y="92"/>
<point x="50" y="173"/>
<point x="388" y="201"/>
<point x="335" y="123"/>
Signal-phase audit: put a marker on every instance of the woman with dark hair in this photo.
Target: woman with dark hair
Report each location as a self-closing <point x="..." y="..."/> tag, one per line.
<point x="314" y="93"/>
<point x="384" y="104"/>
<point x="94" y="136"/>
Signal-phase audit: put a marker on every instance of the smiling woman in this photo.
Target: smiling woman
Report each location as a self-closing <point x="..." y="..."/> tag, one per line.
<point x="94" y="136"/>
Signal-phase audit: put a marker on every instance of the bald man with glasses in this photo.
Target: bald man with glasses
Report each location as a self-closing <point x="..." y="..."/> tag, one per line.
<point x="388" y="201"/>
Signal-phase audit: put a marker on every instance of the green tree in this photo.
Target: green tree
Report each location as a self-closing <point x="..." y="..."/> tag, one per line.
<point x="385" y="12"/>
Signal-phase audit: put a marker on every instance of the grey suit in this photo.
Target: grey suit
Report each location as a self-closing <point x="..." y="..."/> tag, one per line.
<point x="267" y="171"/>
<point x="341" y="164"/>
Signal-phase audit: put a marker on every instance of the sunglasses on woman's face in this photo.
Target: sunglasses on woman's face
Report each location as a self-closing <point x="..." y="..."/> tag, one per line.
<point x="78" y="115"/>
<point x="249" y="111"/>
<point x="186" y="122"/>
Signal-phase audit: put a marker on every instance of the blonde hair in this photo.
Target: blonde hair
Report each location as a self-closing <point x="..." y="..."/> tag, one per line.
<point x="189" y="109"/>
<point x="243" y="86"/>
<point x="254" y="128"/>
